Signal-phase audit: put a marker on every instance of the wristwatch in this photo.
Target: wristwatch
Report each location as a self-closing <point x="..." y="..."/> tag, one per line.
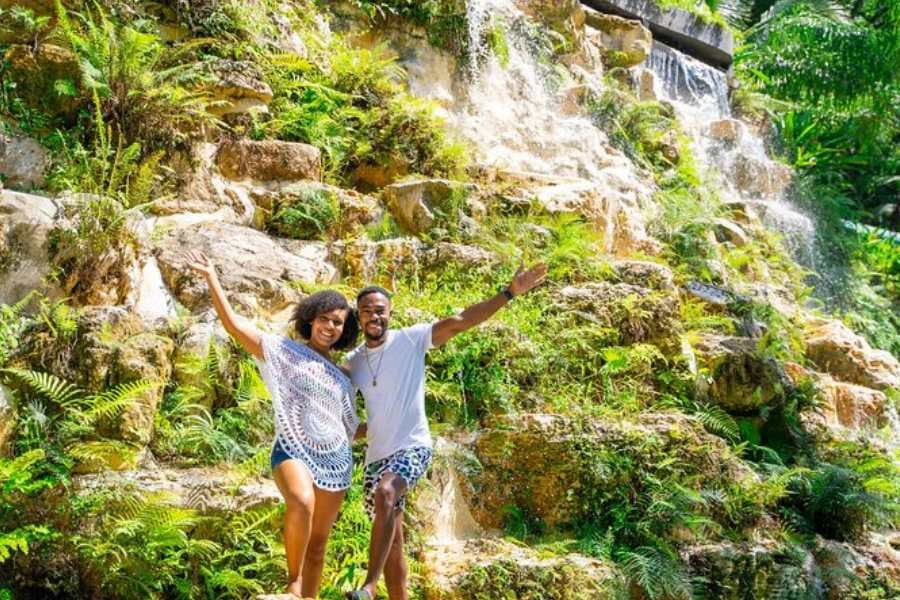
<point x="508" y="294"/>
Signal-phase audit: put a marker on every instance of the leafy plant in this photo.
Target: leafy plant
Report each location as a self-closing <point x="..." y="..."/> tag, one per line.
<point x="310" y="215"/>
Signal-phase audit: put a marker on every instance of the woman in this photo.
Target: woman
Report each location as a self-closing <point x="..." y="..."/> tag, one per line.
<point x="315" y="418"/>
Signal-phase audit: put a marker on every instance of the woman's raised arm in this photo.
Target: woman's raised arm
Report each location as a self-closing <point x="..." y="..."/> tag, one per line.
<point x="240" y="329"/>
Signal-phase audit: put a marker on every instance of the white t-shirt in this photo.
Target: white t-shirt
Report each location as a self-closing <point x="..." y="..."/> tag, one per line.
<point x="395" y="406"/>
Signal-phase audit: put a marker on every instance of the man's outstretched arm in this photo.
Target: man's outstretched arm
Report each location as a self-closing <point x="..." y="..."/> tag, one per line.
<point x="522" y="282"/>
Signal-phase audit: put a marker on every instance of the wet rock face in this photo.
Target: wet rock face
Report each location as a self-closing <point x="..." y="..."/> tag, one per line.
<point x="23" y="162"/>
<point x="549" y="466"/>
<point x="835" y="349"/>
<point x="269" y="160"/>
<point x="739" y="380"/>
<point x="566" y="17"/>
<point x="760" y="178"/>
<point x="256" y="270"/>
<point x="25" y="224"/>
<point x="623" y="42"/>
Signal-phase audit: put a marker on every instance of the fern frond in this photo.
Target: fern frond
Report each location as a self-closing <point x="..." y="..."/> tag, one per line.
<point x="50" y="386"/>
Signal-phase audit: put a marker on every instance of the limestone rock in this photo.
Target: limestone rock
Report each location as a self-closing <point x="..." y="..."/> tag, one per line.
<point x="495" y="568"/>
<point x="645" y="85"/>
<point x="760" y="178"/>
<point x="612" y="206"/>
<point x="36" y="75"/>
<point x="547" y="465"/>
<point x="238" y="87"/>
<point x="739" y="379"/>
<point x="842" y="406"/>
<point x="269" y="160"/>
<point x="644" y="274"/>
<point x="726" y="130"/>
<point x="152" y="301"/>
<point x="192" y="349"/>
<point x="636" y="314"/>
<point x="144" y="356"/>
<point x="25" y="224"/>
<point x="624" y="42"/>
<point x="875" y="561"/>
<point x="374" y="261"/>
<point x="729" y="231"/>
<point x="419" y="205"/>
<point x="733" y="570"/>
<point x="460" y="255"/>
<point x="256" y="270"/>
<point x="23" y="162"/>
<point x="848" y="357"/>
<point x="210" y="490"/>
<point x="349" y="210"/>
<point x="566" y="17"/>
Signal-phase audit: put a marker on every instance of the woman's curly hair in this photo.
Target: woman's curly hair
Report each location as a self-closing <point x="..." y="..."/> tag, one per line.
<point x="322" y="302"/>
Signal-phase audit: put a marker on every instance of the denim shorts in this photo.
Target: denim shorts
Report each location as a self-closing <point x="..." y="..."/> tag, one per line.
<point x="278" y="455"/>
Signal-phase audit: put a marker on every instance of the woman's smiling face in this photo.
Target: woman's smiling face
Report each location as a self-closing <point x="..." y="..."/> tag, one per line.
<point x="327" y="328"/>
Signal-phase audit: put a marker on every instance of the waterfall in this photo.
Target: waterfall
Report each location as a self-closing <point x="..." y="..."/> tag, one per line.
<point x="733" y="155"/>
<point x="512" y="110"/>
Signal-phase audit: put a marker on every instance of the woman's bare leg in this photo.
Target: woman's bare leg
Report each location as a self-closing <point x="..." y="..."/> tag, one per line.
<point x="296" y="486"/>
<point x="327" y="506"/>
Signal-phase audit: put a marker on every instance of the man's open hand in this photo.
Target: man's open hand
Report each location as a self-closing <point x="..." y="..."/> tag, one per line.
<point x="524" y="281"/>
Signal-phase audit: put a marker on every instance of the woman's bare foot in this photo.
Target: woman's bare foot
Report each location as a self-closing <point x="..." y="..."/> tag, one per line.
<point x="294" y="588"/>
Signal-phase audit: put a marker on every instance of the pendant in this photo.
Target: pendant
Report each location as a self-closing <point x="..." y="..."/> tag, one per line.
<point x="374" y="382"/>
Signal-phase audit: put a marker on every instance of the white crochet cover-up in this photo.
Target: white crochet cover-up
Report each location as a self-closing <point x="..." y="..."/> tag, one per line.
<point x="315" y="414"/>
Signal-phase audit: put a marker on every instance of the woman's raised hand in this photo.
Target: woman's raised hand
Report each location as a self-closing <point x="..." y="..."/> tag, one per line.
<point x="198" y="261"/>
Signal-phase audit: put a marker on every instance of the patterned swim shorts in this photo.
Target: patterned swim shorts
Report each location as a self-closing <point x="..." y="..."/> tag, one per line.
<point x="408" y="463"/>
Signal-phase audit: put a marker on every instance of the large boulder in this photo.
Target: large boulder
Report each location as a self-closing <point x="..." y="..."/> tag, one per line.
<point x="420" y="205"/>
<point x="632" y="313"/>
<point x="623" y="42"/>
<point x="269" y="160"/>
<point x="736" y="376"/>
<point x="23" y="162"/>
<point x="760" y="178"/>
<point x="25" y="224"/>
<point x="550" y="466"/>
<point x="835" y="349"/>
<point x="258" y="272"/>
<point x="35" y="74"/>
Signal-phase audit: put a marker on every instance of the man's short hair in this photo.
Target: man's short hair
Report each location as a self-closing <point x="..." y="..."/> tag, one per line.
<point x="372" y="289"/>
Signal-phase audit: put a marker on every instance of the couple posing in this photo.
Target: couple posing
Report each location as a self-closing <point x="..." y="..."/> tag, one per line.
<point x="316" y="421"/>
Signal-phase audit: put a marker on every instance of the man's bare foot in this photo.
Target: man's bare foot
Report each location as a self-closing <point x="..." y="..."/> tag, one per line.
<point x="293" y="588"/>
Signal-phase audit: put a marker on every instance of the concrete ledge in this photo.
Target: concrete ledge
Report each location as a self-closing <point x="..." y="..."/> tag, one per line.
<point x="708" y="42"/>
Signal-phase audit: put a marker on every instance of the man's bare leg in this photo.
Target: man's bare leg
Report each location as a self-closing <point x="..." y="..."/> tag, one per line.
<point x="387" y="491"/>
<point x="395" y="571"/>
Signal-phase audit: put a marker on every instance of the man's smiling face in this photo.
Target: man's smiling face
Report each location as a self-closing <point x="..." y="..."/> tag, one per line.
<point x="374" y="316"/>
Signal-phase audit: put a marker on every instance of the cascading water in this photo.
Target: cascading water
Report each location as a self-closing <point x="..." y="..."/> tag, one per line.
<point x="733" y="154"/>
<point x="513" y="115"/>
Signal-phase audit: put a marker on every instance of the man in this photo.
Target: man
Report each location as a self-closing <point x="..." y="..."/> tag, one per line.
<point x="389" y="370"/>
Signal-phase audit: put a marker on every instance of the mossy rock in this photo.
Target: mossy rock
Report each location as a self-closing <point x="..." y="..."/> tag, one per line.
<point x="36" y="73"/>
<point x="556" y="471"/>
